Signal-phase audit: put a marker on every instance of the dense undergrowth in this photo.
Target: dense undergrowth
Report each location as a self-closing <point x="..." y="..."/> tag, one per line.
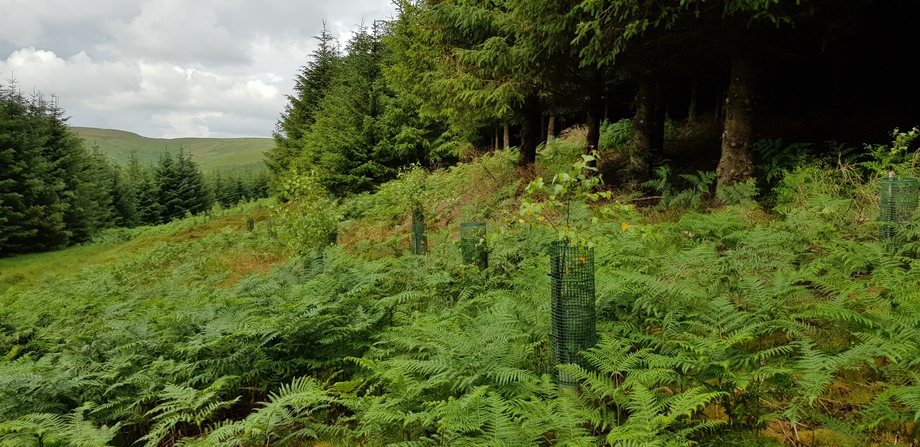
<point x="722" y="322"/>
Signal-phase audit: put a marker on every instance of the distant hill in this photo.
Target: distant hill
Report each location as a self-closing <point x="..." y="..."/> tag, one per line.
<point x="209" y="153"/>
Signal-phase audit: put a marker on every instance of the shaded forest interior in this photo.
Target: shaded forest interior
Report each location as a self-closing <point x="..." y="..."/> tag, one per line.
<point x="852" y="87"/>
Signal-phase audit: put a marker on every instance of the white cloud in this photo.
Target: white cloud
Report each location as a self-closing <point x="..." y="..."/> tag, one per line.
<point x="169" y="68"/>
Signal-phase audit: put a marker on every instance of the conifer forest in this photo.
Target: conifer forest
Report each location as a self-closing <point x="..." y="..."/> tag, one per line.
<point x="494" y="223"/>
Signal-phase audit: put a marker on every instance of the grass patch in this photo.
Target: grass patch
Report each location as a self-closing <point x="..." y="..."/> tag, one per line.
<point x="116" y="244"/>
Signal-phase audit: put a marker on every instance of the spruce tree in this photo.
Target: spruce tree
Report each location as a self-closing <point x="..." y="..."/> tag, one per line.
<point x="92" y="207"/>
<point x="51" y="192"/>
<point x="124" y="198"/>
<point x="340" y="145"/>
<point x="167" y="182"/>
<point x="140" y="179"/>
<point x="18" y="152"/>
<point x="194" y="194"/>
<point x="311" y="85"/>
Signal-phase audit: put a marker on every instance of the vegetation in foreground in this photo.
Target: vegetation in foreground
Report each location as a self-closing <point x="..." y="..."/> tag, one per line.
<point x="722" y="322"/>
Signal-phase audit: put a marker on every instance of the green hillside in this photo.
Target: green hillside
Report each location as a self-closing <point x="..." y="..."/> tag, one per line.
<point x="720" y="318"/>
<point x="209" y="153"/>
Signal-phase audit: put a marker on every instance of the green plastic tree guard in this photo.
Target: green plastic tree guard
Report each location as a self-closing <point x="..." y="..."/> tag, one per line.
<point x="574" y="315"/>
<point x="473" y="244"/>
<point x="899" y="199"/>
<point x="271" y="230"/>
<point x="419" y="243"/>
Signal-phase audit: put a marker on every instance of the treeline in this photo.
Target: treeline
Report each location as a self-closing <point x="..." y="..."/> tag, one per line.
<point x="54" y="192"/>
<point x="175" y="187"/>
<point x="449" y="74"/>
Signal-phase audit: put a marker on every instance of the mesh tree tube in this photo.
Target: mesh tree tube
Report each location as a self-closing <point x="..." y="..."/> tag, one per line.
<point x="899" y="199"/>
<point x="419" y="243"/>
<point x="473" y="244"/>
<point x="271" y="230"/>
<point x="574" y="316"/>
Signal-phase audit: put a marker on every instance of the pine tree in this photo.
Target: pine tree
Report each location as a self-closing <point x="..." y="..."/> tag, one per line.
<point x="50" y="193"/>
<point x="340" y="145"/>
<point x="180" y="186"/>
<point x="92" y="206"/>
<point x="168" y="184"/>
<point x="140" y="180"/>
<point x="17" y="154"/>
<point x="124" y="198"/>
<point x="476" y="66"/>
<point x="310" y="86"/>
<point x="194" y="194"/>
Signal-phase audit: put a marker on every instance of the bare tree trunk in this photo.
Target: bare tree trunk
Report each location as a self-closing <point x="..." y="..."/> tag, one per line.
<point x="595" y="115"/>
<point x="551" y="129"/>
<point x="507" y="135"/>
<point x="639" y="167"/>
<point x="720" y="103"/>
<point x="656" y="127"/>
<point x="495" y="139"/>
<point x="737" y="162"/>
<point x="692" y="109"/>
<point x="530" y="130"/>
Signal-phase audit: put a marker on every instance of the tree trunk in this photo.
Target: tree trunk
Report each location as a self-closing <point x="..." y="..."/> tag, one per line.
<point x="507" y="142"/>
<point x="720" y="102"/>
<point x="495" y="138"/>
<point x="692" y="109"/>
<point x="595" y="113"/>
<point x="592" y="139"/>
<point x="656" y="128"/>
<point x="639" y="167"/>
<point x="530" y="130"/>
<point x="736" y="163"/>
<point x="551" y="129"/>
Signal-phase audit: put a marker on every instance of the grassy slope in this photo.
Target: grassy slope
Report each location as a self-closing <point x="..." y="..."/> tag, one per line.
<point x="209" y="153"/>
<point x="739" y="246"/>
<point x="31" y="270"/>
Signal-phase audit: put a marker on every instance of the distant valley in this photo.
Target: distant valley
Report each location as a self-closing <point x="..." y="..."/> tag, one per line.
<point x="237" y="154"/>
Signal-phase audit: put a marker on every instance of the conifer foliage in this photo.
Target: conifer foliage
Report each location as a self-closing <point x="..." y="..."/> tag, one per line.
<point x="348" y="124"/>
<point x="51" y="188"/>
<point x="54" y="192"/>
<point x="180" y="186"/>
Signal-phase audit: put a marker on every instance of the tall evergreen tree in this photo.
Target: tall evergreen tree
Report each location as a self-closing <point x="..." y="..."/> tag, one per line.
<point x="195" y="195"/>
<point x="49" y="189"/>
<point x="474" y="67"/>
<point x="140" y="179"/>
<point x="167" y="183"/>
<point x="19" y="154"/>
<point x="340" y="146"/>
<point x="311" y="85"/>
<point x="180" y="186"/>
<point x="124" y="199"/>
<point x="95" y="202"/>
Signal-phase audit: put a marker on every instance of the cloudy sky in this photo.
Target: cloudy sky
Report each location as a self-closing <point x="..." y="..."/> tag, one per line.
<point x="170" y="68"/>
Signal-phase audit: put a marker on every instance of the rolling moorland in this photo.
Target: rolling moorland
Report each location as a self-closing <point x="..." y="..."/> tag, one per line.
<point x="236" y="154"/>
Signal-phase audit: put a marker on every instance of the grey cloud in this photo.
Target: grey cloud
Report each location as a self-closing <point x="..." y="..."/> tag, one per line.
<point x="178" y="32"/>
<point x="170" y="67"/>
